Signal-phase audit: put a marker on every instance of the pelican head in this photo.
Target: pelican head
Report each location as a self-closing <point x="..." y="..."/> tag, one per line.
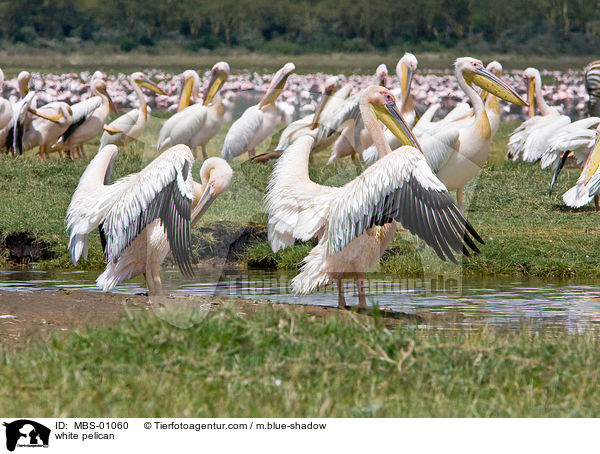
<point x="143" y="81"/>
<point x="405" y="70"/>
<point x="383" y="105"/>
<point x="215" y="175"/>
<point x="534" y="80"/>
<point x="332" y="84"/>
<point x="381" y="73"/>
<point x="99" y="88"/>
<point x="473" y="72"/>
<point x="219" y="74"/>
<point x="23" y="81"/>
<point x="190" y="85"/>
<point x="277" y="84"/>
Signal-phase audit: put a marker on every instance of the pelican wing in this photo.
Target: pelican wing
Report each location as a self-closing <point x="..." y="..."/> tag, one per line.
<point x="183" y="126"/>
<point x="401" y="187"/>
<point x="348" y="111"/>
<point x="81" y="112"/>
<point x="576" y="137"/>
<point x="293" y="131"/>
<point x="163" y="190"/>
<point x="241" y="133"/>
<point x="124" y="123"/>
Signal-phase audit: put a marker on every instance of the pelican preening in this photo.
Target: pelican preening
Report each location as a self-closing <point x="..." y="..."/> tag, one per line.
<point x="144" y="215"/>
<point x="257" y="122"/>
<point x="194" y="125"/>
<point x="356" y="222"/>
<point x="130" y="126"/>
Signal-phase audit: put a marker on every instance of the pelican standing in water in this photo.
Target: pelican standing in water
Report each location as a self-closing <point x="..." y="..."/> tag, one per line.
<point x="257" y="122"/>
<point x="195" y="125"/>
<point x="144" y="215"/>
<point x="356" y="222"/>
<point x="130" y="126"/>
<point x="88" y="119"/>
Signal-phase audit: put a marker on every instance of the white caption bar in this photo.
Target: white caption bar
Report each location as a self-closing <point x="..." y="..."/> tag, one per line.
<point x="277" y="435"/>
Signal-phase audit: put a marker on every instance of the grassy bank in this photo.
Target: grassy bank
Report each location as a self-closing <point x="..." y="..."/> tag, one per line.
<point x="112" y="60"/>
<point x="282" y="362"/>
<point x="526" y="232"/>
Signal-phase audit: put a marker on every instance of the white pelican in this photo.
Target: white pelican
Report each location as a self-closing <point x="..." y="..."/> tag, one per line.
<point x="11" y="132"/>
<point x="588" y="183"/>
<point x="354" y="137"/>
<point x="576" y="139"/>
<point x="143" y="215"/>
<point x="197" y="124"/>
<point x="529" y="140"/>
<point x="88" y="118"/>
<point x="330" y="101"/>
<point x="356" y="222"/>
<point x="492" y="103"/>
<point x="257" y="122"/>
<point x="51" y="122"/>
<point x="130" y="126"/>
<point x="405" y="70"/>
<point x="5" y="105"/>
<point x="472" y="146"/>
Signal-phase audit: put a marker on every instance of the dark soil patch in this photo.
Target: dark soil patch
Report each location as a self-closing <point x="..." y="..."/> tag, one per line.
<point x="24" y="247"/>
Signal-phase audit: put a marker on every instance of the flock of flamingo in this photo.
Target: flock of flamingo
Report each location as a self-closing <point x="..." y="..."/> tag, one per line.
<point x="410" y="161"/>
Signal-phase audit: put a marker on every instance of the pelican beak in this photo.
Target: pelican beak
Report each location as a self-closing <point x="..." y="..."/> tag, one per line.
<point x="496" y="86"/>
<point x="216" y="82"/>
<point x="407" y="77"/>
<point x="110" y="101"/>
<point x="327" y="93"/>
<point x="531" y="96"/>
<point x="52" y="118"/>
<point x="390" y="116"/>
<point x="149" y="85"/>
<point x="206" y="199"/>
<point x="382" y="81"/>
<point x="275" y="89"/>
<point x="186" y="94"/>
<point x="563" y="159"/>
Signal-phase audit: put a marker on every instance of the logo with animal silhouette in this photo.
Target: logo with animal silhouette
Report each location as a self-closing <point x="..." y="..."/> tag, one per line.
<point x="26" y="433"/>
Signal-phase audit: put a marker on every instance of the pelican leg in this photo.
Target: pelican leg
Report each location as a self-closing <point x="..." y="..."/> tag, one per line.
<point x="459" y="199"/>
<point x="341" y="299"/>
<point x="597" y="202"/>
<point x="153" y="279"/>
<point x="204" y="155"/>
<point x="42" y="153"/>
<point x="82" y="152"/>
<point x="360" y="287"/>
<point x="251" y="153"/>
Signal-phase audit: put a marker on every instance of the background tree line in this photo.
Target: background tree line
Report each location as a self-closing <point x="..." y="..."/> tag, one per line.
<point x="286" y="26"/>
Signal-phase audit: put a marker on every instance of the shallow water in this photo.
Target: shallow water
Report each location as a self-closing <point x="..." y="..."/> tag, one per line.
<point x="500" y="302"/>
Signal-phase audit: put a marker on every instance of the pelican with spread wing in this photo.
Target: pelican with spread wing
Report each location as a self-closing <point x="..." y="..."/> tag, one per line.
<point x="130" y="126"/>
<point x="356" y="222"/>
<point x="257" y="122"/>
<point x="144" y="215"/>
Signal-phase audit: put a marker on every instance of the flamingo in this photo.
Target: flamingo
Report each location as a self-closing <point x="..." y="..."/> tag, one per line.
<point x="130" y="126"/>
<point x="257" y="122"/>
<point x="144" y="215"/>
<point x="528" y="141"/>
<point x="197" y="124"/>
<point x="356" y="222"/>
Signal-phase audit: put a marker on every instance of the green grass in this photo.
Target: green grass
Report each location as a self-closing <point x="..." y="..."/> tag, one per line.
<point x="112" y="60"/>
<point x="283" y="362"/>
<point x="527" y="232"/>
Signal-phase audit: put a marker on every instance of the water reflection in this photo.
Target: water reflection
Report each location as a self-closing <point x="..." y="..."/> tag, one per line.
<point x="494" y="301"/>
